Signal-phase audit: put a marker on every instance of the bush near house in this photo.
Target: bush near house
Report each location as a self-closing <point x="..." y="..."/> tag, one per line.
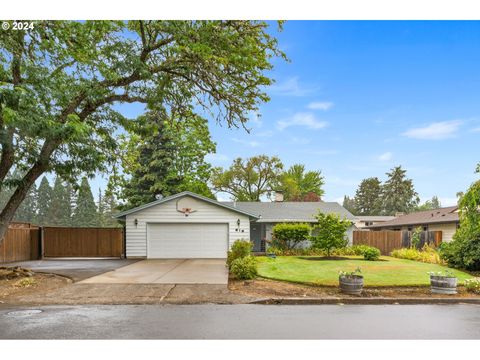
<point x="330" y="232"/>
<point x="473" y="285"/>
<point x="464" y="250"/>
<point x="244" y="268"/>
<point x="371" y="254"/>
<point x="427" y="254"/>
<point x="289" y="236"/>
<point x="240" y="249"/>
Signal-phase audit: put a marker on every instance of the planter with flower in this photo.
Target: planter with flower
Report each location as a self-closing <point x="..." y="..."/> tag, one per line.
<point x="443" y="282"/>
<point x="351" y="283"/>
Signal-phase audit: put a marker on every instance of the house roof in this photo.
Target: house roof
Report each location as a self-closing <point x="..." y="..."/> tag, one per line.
<point x="374" y="218"/>
<point x="287" y="211"/>
<point x="436" y="216"/>
<point x="180" y="195"/>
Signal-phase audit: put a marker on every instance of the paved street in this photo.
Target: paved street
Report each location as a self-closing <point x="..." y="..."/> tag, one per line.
<point x="242" y="322"/>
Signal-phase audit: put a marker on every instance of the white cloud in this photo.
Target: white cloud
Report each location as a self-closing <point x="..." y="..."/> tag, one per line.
<point x="385" y="156"/>
<point x="291" y="87"/>
<point x="307" y="120"/>
<point x="249" y="143"/>
<point x="320" y="105"/>
<point x="475" y="129"/>
<point x="266" y="133"/>
<point x="435" y="131"/>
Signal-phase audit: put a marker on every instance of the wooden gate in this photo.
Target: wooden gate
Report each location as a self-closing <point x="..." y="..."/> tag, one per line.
<point x="20" y="244"/>
<point x="82" y="242"/>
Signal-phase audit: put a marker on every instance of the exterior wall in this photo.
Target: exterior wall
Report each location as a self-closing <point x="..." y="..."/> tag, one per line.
<point x="447" y="230"/>
<point x="136" y="236"/>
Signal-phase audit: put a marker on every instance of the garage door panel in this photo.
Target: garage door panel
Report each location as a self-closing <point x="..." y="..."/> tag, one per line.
<point x="170" y="241"/>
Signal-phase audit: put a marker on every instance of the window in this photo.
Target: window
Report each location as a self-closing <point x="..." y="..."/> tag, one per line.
<point x="425" y="228"/>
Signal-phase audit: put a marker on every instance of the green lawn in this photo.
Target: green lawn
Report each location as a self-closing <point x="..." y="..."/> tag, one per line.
<point x="390" y="272"/>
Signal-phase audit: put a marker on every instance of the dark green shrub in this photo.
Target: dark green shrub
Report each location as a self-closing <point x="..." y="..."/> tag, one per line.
<point x="244" y="268"/>
<point x="288" y="236"/>
<point x="240" y="249"/>
<point x="464" y="250"/>
<point x="371" y="254"/>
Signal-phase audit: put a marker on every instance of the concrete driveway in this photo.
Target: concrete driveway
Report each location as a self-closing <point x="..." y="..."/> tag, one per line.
<point x="166" y="271"/>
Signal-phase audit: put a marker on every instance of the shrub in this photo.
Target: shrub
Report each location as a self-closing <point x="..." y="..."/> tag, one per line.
<point x="428" y="254"/>
<point x="416" y="237"/>
<point x="330" y="232"/>
<point x="288" y="236"/>
<point x="244" y="268"/>
<point x="473" y="285"/>
<point x="240" y="249"/>
<point x="25" y="282"/>
<point x="371" y="254"/>
<point x="464" y="250"/>
<point x="357" y="250"/>
<point x="295" y="252"/>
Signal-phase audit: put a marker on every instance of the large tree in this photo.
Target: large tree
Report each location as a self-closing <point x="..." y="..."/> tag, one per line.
<point x="164" y="157"/>
<point x="60" y="209"/>
<point x="249" y="179"/>
<point x="44" y="196"/>
<point x="349" y="204"/>
<point x="60" y="80"/>
<point x="297" y="184"/>
<point x="85" y="213"/>
<point x="398" y="193"/>
<point x="432" y="204"/>
<point x="367" y="200"/>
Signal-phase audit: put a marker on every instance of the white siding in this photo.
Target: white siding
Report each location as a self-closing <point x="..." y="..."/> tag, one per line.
<point x="447" y="230"/>
<point x="136" y="236"/>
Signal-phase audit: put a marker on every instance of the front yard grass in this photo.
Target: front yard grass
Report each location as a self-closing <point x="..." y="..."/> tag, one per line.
<point x="388" y="271"/>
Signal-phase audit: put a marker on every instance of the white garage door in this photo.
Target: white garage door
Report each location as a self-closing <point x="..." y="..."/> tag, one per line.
<point x="183" y="241"/>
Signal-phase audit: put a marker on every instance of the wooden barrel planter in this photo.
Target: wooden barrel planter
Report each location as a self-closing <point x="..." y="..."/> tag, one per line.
<point x="351" y="284"/>
<point x="443" y="284"/>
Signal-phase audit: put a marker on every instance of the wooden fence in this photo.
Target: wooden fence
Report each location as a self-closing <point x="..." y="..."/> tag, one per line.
<point x="388" y="240"/>
<point x="20" y="243"/>
<point x="82" y="242"/>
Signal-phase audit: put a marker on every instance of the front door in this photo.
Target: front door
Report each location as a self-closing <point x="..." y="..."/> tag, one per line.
<point x="256" y="236"/>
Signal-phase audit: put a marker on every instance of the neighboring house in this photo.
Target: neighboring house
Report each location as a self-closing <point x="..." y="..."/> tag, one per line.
<point x="444" y="219"/>
<point x="361" y="222"/>
<point x="189" y="225"/>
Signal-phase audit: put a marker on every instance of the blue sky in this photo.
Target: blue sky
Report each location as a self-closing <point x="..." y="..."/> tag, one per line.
<point x="360" y="97"/>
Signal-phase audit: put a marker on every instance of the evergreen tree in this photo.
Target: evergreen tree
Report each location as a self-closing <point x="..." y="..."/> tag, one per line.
<point x="43" y="202"/>
<point x="110" y="209"/>
<point x="349" y="204"/>
<point x="432" y="204"/>
<point x="398" y="193"/>
<point x="27" y="211"/>
<point x="153" y="170"/>
<point x="85" y="213"/>
<point x="367" y="200"/>
<point x="60" y="211"/>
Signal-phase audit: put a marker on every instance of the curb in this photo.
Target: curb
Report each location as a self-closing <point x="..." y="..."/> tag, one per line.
<point x="365" y="301"/>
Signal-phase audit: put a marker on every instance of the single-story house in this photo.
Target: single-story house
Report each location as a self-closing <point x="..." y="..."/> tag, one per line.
<point x="188" y="225"/>
<point x="362" y="221"/>
<point x="444" y="219"/>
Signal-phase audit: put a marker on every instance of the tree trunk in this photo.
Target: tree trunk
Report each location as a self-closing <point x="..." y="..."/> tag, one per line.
<point x="18" y="196"/>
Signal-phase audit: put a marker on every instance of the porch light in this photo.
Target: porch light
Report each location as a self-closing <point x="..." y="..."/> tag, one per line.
<point x="238" y="223"/>
<point x="135" y="222"/>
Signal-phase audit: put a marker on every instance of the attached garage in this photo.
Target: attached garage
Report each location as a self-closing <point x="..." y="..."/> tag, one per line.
<point x="179" y="241"/>
<point x="184" y="226"/>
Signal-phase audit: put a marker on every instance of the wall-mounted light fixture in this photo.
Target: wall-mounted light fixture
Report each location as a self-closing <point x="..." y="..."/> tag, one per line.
<point x="135" y="222"/>
<point x="238" y="224"/>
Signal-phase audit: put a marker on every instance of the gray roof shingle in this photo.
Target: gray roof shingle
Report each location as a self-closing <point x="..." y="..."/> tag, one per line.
<point x="290" y="211"/>
<point x="436" y="216"/>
